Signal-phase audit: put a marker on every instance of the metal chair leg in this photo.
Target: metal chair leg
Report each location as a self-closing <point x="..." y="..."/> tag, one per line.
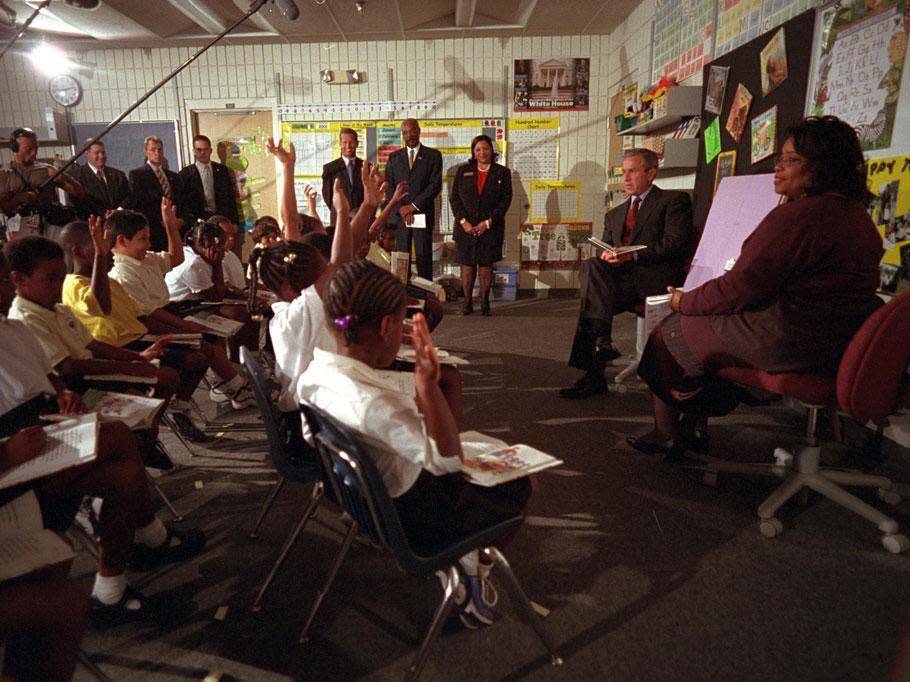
<point x="164" y="498"/>
<point x="315" y="496"/>
<point x="89" y="665"/>
<point x="267" y="505"/>
<point x="442" y="612"/>
<point x="167" y="421"/>
<point x="333" y="571"/>
<point x="530" y="616"/>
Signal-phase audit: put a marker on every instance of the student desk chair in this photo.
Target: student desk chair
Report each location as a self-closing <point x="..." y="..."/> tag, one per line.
<point x="871" y="384"/>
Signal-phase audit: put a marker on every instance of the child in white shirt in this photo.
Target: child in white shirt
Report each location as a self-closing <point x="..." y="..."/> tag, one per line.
<point x="415" y="443"/>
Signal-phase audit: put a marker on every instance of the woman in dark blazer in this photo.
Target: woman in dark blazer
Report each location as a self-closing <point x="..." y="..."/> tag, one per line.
<point x="803" y="284"/>
<point x="480" y="197"/>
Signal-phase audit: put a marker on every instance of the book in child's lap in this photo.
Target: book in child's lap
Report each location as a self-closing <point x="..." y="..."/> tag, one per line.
<point x="25" y="545"/>
<point x="489" y="461"/>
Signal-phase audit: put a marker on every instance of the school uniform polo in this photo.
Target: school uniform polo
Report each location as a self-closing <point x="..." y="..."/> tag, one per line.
<point x="232" y="269"/>
<point x="297" y="329"/>
<point x="25" y="366"/>
<point x="143" y="279"/>
<point x="58" y="331"/>
<point x="387" y="421"/>
<point x="188" y="280"/>
<point x="119" y="327"/>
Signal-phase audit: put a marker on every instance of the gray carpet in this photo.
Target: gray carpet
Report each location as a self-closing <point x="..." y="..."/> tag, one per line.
<point x="647" y="572"/>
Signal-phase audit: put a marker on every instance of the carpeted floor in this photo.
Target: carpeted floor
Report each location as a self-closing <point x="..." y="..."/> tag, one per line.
<point x="648" y="573"/>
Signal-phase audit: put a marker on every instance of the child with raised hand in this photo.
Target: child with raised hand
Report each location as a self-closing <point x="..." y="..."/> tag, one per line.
<point x="296" y="224"/>
<point x="142" y="274"/>
<point x="112" y="316"/>
<point x="414" y="442"/>
<point x="116" y="475"/>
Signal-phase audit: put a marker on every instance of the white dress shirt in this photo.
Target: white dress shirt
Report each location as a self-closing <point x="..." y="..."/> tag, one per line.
<point x="387" y="421"/>
<point x="58" y="331"/>
<point x="296" y="329"/>
<point x="232" y="269"/>
<point x="206" y="174"/>
<point x="144" y="279"/>
<point x="25" y="366"/>
<point x="189" y="279"/>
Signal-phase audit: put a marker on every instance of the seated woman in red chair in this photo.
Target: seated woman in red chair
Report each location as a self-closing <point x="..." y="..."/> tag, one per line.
<point x="803" y="284"/>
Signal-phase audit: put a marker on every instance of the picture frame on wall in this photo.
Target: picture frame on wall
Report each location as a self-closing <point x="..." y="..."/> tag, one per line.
<point x="773" y="58"/>
<point x="764" y="134"/>
<point x="717" y="85"/>
<point x="739" y="112"/>
<point x="726" y="166"/>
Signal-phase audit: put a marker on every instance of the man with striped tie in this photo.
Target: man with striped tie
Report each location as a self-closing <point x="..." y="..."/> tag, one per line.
<point x="148" y="184"/>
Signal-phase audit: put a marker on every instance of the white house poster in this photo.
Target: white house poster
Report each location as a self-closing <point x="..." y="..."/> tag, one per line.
<point x="555" y="84"/>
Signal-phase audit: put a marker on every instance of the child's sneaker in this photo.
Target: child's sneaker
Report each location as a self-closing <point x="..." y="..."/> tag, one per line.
<point x="242" y="398"/>
<point x="475" y="606"/>
<point x="490" y="596"/>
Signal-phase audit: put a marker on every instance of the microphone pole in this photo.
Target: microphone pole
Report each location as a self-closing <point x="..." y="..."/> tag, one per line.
<point x="28" y="22"/>
<point x="255" y="6"/>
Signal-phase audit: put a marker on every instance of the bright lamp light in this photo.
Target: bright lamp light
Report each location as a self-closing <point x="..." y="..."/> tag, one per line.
<point x="50" y="59"/>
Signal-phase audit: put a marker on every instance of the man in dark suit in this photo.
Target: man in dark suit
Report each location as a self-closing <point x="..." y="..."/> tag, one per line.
<point x="347" y="169"/>
<point x="148" y="184"/>
<point x="656" y="218"/>
<point x="106" y="188"/>
<point x="421" y="168"/>
<point x="207" y="188"/>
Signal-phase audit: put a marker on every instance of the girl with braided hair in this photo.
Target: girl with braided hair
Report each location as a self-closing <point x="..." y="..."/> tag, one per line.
<point x="414" y="441"/>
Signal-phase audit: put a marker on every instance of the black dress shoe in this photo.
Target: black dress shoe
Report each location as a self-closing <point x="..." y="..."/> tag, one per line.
<point x="585" y="387"/>
<point x="485" y="310"/>
<point x="605" y="354"/>
<point x="650" y="447"/>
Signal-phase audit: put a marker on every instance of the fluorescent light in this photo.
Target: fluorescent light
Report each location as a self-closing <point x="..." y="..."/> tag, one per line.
<point x="50" y="59"/>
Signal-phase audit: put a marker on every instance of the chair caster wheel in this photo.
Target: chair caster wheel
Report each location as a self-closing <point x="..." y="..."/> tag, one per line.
<point x="770" y="527"/>
<point x="896" y="543"/>
<point x="889" y="496"/>
<point x="710" y="478"/>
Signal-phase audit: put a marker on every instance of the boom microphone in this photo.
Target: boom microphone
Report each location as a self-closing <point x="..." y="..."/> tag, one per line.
<point x="288" y="8"/>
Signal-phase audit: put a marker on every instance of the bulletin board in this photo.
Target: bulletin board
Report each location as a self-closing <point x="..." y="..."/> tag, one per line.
<point x="316" y="143"/>
<point x="789" y="97"/>
<point x="561" y="246"/>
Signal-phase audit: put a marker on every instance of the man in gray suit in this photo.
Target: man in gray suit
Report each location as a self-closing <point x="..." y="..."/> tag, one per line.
<point x="656" y="218"/>
<point x="421" y="167"/>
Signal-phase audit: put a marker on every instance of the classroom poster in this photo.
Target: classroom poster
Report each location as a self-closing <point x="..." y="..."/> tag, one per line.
<point x="554" y="84"/>
<point x="665" y="41"/>
<point x="563" y="244"/>
<point x="738" y="22"/>
<point x="555" y="201"/>
<point x="739" y="112"/>
<point x="717" y="85"/>
<point x="726" y="166"/>
<point x="858" y="66"/>
<point x="764" y="134"/>
<point x="889" y="180"/>
<point x="534" y="147"/>
<point x="773" y="59"/>
<point x="712" y="140"/>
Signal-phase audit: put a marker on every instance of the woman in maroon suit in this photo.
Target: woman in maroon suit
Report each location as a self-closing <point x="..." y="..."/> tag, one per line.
<point x="480" y="197"/>
<point x="803" y="284"/>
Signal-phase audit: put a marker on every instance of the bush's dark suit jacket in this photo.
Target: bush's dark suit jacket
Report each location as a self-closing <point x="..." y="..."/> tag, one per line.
<point x="192" y="199"/>
<point x="664" y="225"/>
<point x="145" y="197"/>
<point x="354" y="193"/>
<point x="99" y="198"/>
<point x="424" y="181"/>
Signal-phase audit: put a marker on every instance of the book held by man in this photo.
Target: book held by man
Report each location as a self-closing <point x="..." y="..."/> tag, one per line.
<point x="489" y="461"/>
<point x="25" y="545"/>
<point x="616" y="250"/>
<point x="70" y="443"/>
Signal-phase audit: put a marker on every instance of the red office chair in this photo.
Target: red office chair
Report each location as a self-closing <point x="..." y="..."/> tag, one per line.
<point x="871" y="384"/>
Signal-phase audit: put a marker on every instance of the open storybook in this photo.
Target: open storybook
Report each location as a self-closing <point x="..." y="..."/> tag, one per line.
<point x="25" y="545"/>
<point x="616" y="250"/>
<point x="490" y="461"/>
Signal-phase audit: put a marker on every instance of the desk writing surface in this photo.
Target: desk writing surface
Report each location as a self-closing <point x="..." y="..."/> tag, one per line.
<point x="741" y="204"/>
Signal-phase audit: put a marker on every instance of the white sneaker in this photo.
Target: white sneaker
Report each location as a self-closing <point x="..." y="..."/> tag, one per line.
<point x="242" y="398"/>
<point x="218" y="394"/>
<point x="490" y="596"/>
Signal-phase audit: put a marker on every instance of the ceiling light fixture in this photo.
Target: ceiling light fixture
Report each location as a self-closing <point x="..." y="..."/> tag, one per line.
<point x="359" y="6"/>
<point x="326" y="76"/>
<point x="50" y="59"/>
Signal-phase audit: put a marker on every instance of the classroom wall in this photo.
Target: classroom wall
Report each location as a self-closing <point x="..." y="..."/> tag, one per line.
<point x="466" y="77"/>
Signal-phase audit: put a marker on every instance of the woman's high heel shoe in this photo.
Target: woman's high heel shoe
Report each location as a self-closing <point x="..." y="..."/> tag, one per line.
<point x="485" y="309"/>
<point x="467" y="308"/>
